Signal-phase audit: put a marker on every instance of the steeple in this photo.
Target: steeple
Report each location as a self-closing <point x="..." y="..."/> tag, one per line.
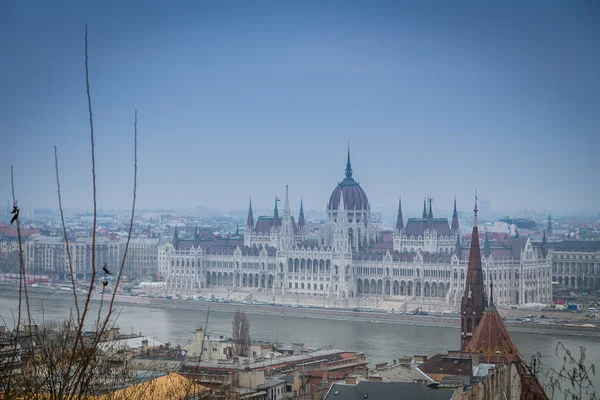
<point x="491" y="305"/>
<point x="237" y="230"/>
<point x="250" y="220"/>
<point x="286" y="204"/>
<point x="425" y="208"/>
<point x="301" y="221"/>
<point x="430" y="226"/>
<point x="399" y="219"/>
<point x="455" y="227"/>
<point x="473" y="301"/>
<point x="549" y="225"/>
<point x="458" y="246"/>
<point x="196" y="232"/>
<point x="276" y="220"/>
<point x="516" y="233"/>
<point x="487" y="249"/>
<point x="348" y="165"/>
<point x="175" y="238"/>
<point x="544" y="245"/>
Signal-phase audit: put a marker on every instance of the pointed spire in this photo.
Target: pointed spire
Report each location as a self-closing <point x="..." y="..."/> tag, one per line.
<point x="430" y="214"/>
<point x="250" y="220"/>
<point x="348" y="165"/>
<point x="455" y="227"/>
<point x="491" y="305"/>
<point x="544" y="240"/>
<point x="473" y="302"/>
<point x="342" y="206"/>
<point x="286" y="203"/>
<point x="399" y="219"/>
<point x="544" y="245"/>
<point x="424" y="208"/>
<point x="475" y="212"/>
<point x="276" y="220"/>
<point x="237" y="230"/>
<point x="301" y="221"/>
<point x="175" y="238"/>
<point x="516" y="233"/>
<point x="458" y="246"/>
<point x="549" y="225"/>
<point x="196" y="231"/>
<point x="487" y="249"/>
<point x="175" y="235"/>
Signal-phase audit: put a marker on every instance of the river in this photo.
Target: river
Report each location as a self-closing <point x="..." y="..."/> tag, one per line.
<point x="380" y="342"/>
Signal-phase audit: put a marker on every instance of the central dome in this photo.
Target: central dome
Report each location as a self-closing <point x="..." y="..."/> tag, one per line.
<point x="355" y="197"/>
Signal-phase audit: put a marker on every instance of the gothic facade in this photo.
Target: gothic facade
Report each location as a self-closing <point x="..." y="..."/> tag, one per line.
<point x="350" y="256"/>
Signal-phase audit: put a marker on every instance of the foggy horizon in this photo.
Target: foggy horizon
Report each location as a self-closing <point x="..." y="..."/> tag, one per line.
<point x="236" y="102"/>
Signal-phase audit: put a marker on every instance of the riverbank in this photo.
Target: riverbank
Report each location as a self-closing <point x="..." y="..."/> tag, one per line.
<point x="545" y="326"/>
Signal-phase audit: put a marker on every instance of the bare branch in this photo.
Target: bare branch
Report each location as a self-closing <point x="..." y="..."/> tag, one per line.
<point x="64" y="226"/>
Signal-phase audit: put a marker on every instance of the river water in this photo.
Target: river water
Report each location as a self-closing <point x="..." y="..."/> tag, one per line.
<point x="380" y="342"/>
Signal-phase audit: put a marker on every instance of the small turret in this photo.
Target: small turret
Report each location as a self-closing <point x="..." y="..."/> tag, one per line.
<point x="250" y="219"/>
<point x="301" y="222"/>
<point x="487" y="249"/>
<point x="175" y="238"/>
<point x="348" y="165"/>
<point x="544" y="245"/>
<point x="455" y="227"/>
<point x="276" y="220"/>
<point x="430" y="225"/>
<point x="237" y="230"/>
<point x="399" y="219"/>
<point x="425" y="208"/>
<point x="549" y="225"/>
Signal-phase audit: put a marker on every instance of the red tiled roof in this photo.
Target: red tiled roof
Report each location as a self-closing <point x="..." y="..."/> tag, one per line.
<point x="11" y="231"/>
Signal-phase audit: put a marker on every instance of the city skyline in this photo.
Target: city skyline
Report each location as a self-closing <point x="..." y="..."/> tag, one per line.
<point x="237" y="102"/>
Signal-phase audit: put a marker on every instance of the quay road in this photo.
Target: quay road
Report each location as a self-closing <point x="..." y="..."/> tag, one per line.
<point x="544" y="326"/>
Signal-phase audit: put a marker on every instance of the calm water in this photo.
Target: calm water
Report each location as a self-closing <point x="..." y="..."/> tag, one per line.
<point x="380" y="342"/>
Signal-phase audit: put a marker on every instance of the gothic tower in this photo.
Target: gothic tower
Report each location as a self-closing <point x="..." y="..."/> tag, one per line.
<point x="473" y="302"/>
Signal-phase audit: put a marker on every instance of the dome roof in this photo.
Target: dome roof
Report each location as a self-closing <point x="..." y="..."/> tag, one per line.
<point x="354" y="196"/>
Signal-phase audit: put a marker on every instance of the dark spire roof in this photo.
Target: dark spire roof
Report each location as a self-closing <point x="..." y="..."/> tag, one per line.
<point x="424" y="208"/>
<point x="430" y="215"/>
<point x="491" y="305"/>
<point x="348" y="165"/>
<point x="455" y="226"/>
<point x="458" y="246"/>
<point x="473" y="301"/>
<point x="487" y="250"/>
<point x="301" y="221"/>
<point x="250" y="220"/>
<point x="237" y="230"/>
<point x="399" y="219"/>
<point x="196" y="231"/>
<point x="516" y="233"/>
<point x="544" y="245"/>
<point x="175" y="238"/>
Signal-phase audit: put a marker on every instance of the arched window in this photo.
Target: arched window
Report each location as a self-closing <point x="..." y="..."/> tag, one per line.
<point x="469" y="325"/>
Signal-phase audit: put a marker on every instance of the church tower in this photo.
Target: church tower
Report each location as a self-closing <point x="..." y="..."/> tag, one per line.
<point x="454" y="227"/>
<point x="473" y="302"/>
<point x="286" y="233"/>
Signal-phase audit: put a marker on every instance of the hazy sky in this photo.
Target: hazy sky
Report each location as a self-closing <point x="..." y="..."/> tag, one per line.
<point x="236" y="99"/>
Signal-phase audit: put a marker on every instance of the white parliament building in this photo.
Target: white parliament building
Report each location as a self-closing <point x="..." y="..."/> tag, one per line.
<point x="352" y="261"/>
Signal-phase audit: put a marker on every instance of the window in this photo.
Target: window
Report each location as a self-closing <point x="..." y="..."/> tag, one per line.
<point x="214" y="349"/>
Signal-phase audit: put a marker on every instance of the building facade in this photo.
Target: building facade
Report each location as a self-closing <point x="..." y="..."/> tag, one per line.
<point x="352" y="257"/>
<point x="576" y="264"/>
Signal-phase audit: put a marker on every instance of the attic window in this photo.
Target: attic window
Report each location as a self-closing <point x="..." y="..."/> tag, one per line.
<point x="336" y="392"/>
<point x="366" y="395"/>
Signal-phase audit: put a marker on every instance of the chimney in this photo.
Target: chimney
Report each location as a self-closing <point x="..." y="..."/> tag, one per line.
<point x="144" y="346"/>
<point x="381" y="366"/>
<point x="350" y="380"/>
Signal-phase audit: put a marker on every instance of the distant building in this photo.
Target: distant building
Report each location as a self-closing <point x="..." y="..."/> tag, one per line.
<point x="351" y="260"/>
<point x="576" y="264"/>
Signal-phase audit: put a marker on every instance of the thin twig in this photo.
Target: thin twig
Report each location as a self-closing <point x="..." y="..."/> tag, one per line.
<point x="64" y="226"/>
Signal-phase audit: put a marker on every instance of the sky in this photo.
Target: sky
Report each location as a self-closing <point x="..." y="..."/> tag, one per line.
<point x="236" y="99"/>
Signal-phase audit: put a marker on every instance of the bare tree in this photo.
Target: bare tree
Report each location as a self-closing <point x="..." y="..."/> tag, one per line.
<point x="241" y="334"/>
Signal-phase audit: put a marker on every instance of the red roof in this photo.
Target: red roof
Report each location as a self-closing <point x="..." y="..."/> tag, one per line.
<point x="11" y="231"/>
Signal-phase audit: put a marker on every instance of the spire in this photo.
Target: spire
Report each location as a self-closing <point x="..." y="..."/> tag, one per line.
<point x="196" y="232"/>
<point x="516" y="233"/>
<point x="458" y="247"/>
<point x="544" y="245"/>
<point x="276" y="221"/>
<point x="348" y="166"/>
<point x="425" y="208"/>
<point x="301" y="222"/>
<point x="250" y="220"/>
<point x="491" y="306"/>
<point x="473" y="300"/>
<point x="549" y="225"/>
<point x="455" y="226"/>
<point x="487" y="249"/>
<point x="175" y="238"/>
<point x="399" y="220"/>
<point x="237" y="230"/>
<point x="475" y="213"/>
<point x="430" y="226"/>
<point x="286" y="204"/>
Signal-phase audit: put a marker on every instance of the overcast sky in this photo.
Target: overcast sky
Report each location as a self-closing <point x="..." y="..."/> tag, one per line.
<point x="236" y="99"/>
